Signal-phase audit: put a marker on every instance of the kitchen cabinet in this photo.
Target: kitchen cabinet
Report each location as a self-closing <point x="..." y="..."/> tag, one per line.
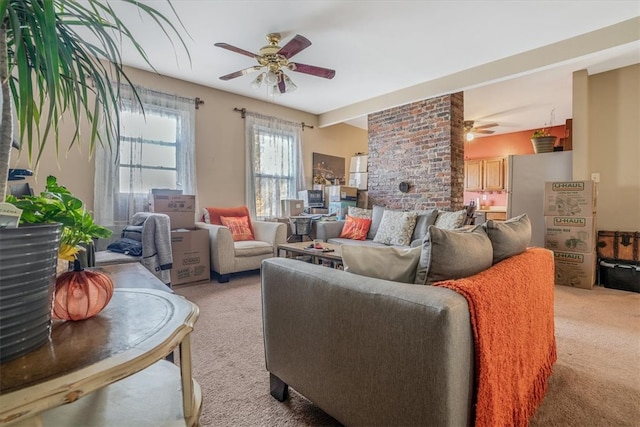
<point x="484" y="174"/>
<point x="473" y="175"/>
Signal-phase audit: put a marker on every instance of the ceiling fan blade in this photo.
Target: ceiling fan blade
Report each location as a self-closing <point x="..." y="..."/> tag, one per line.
<point x="241" y="73"/>
<point x="488" y="125"/>
<point x="235" y="49"/>
<point x="486" y="132"/>
<point x="281" y="85"/>
<point x="295" y="45"/>
<point x="313" y="70"/>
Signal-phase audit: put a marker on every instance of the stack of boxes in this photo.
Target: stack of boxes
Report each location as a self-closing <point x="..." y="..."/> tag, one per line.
<point x="189" y="245"/>
<point x="570" y="231"/>
<point x="340" y="198"/>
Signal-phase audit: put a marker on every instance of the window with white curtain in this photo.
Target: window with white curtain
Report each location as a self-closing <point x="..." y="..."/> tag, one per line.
<point x="274" y="164"/>
<point x="156" y="150"/>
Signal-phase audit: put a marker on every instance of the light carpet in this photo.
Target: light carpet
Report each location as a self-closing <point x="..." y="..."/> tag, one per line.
<point x="595" y="382"/>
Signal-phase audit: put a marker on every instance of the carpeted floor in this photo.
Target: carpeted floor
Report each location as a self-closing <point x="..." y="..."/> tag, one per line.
<point x="596" y="381"/>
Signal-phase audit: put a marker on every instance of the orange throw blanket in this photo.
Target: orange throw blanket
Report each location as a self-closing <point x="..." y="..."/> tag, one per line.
<point x="514" y="338"/>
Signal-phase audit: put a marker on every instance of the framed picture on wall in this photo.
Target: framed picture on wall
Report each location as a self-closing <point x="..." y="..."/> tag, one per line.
<point x="328" y="170"/>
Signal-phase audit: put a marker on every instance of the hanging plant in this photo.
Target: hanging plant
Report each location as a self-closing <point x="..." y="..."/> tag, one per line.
<point x="81" y="294"/>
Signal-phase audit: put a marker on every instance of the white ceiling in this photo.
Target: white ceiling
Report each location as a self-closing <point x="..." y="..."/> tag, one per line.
<point x="387" y="53"/>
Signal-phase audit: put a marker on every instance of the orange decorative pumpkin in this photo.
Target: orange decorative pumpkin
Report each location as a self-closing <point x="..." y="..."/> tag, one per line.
<point x="81" y="294"/>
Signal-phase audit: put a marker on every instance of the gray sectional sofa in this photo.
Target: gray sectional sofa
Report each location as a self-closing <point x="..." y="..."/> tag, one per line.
<point x="377" y="352"/>
<point x="329" y="231"/>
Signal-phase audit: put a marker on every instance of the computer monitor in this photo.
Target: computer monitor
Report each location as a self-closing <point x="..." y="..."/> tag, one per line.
<point x="20" y="190"/>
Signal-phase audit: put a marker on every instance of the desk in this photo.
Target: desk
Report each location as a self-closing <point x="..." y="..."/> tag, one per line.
<point x="108" y="370"/>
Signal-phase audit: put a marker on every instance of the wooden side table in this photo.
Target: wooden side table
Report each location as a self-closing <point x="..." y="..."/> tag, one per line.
<point x="75" y="379"/>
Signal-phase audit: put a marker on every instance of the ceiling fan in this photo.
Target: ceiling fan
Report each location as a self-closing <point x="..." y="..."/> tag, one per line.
<point x="470" y="129"/>
<point x="273" y="60"/>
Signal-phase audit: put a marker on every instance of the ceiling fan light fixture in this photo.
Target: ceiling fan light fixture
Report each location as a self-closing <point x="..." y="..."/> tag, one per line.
<point x="469" y="136"/>
<point x="257" y="82"/>
<point x="271" y="78"/>
<point x="290" y="86"/>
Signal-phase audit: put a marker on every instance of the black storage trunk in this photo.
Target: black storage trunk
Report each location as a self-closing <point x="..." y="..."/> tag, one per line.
<point x="621" y="276"/>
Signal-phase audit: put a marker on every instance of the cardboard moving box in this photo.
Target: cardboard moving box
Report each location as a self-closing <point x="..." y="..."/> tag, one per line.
<point x="570" y="233"/>
<point x="180" y="208"/>
<point x="570" y="198"/>
<point x="575" y="269"/>
<point x="190" y="250"/>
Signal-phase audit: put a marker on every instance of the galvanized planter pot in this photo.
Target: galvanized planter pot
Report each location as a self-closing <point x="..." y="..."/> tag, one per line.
<point x="28" y="259"/>
<point x="543" y="144"/>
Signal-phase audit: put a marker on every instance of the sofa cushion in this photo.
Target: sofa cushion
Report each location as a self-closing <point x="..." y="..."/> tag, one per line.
<point x="250" y="248"/>
<point x="423" y="221"/>
<point x="355" y="228"/>
<point x="376" y="217"/>
<point x="453" y="254"/>
<point x="396" y="228"/>
<point x="387" y="262"/>
<point x="451" y="220"/>
<point x="212" y="215"/>
<point x="508" y="238"/>
<point x="239" y="227"/>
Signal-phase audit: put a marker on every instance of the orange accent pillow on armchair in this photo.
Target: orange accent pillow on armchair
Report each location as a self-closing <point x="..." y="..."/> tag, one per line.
<point x="216" y="213"/>
<point x="355" y="228"/>
<point x="239" y="227"/>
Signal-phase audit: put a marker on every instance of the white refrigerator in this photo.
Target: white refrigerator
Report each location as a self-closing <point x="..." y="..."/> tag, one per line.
<point x="525" y="186"/>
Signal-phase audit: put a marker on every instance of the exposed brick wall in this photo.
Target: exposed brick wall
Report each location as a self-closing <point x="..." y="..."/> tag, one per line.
<point x="421" y="143"/>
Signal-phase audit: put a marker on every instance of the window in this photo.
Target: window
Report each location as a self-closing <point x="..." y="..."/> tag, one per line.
<point x="148" y="147"/>
<point x="274" y="164"/>
<point x="156" y="150"/>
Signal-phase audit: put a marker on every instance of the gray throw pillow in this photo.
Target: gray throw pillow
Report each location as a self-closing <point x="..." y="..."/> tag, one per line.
<point x="389" y="263"/>
<point x="423" y="221"/>
<point x="451" y="220"/>
<point x="376" y="217"/>
<point x="396" y="228"/>
<point x="508" y="238"/>
<point x="453" y="254"/>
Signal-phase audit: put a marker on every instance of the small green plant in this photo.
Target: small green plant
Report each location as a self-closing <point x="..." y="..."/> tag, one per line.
<point x="57" y="204"/>
<point x="541" y="133"/>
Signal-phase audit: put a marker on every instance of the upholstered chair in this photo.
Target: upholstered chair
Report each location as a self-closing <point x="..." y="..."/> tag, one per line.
<point x="233" y="256"/>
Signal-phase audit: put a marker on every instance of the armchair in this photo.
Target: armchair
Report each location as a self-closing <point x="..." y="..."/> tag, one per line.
<point x="229" y="257"/>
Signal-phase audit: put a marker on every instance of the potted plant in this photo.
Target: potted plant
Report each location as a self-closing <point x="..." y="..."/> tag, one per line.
<point x="542" y="139"/>
<point x="59" y="60"/>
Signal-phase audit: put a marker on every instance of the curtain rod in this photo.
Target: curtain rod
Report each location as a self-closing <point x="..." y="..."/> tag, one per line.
<point x="198" y="101"/>
<point x="243" y="114"/>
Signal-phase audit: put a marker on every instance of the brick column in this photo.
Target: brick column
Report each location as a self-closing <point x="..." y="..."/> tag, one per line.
<point x="421" y="143"/>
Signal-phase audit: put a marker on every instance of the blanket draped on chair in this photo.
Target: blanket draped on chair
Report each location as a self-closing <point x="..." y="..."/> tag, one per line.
<point x="514" y="339"/>
<point x="156" y="244"/>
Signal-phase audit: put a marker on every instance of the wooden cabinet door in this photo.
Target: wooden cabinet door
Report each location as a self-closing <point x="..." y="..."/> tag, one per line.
<point x="494" y="174"/>
<point x="473" y="175"/>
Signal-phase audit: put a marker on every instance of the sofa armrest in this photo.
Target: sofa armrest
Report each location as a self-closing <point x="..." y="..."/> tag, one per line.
<point x="221" y="247"/>
<point x="368" y="351"/>
<point x="274" y="233"/>
<point x="326" y="230"/>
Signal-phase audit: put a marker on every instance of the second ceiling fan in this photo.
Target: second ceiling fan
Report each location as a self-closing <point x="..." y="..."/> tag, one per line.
<point x="470" y="129"/>
<point x="273" y="60"/>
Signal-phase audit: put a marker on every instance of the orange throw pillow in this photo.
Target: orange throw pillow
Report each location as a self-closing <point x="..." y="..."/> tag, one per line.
<point x="355" y="228"/>
<point x="216" y="213"/>
<point x="239" y="227"/>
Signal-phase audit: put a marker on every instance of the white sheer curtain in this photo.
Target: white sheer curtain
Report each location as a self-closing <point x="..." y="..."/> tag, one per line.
<point x="274" y="168"/>
<point x="167" y="162"/>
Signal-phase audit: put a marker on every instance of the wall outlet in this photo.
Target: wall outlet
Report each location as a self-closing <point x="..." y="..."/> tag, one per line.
<point x="595" y="177"/>
<point x="484" y="197"/>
